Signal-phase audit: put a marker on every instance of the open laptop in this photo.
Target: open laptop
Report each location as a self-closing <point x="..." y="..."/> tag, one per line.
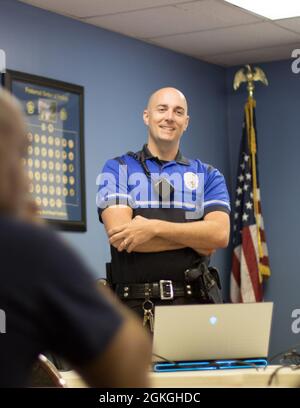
<point x="204" y="333"/>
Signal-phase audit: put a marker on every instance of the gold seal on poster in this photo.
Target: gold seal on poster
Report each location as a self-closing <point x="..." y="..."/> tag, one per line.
<point x="37" y="176"/>
<point x="50" y="128"/>
<point x="58" y="203"/>
<point x="36" y="151"/>
<point x="30" y="108"/>
<point x="63" y="114"/>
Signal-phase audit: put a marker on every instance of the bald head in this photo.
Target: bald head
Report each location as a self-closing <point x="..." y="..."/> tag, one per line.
<point x="167" y="94"/>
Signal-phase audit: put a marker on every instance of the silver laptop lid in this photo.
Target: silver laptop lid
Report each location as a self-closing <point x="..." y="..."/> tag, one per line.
<point x="212" y="332"/>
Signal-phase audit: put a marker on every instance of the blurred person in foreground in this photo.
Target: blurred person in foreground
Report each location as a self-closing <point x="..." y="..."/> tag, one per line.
<point x="48" y="299"/>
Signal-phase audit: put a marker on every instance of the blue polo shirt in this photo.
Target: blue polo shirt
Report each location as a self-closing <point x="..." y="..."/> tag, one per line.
<point x="182" y="190"/>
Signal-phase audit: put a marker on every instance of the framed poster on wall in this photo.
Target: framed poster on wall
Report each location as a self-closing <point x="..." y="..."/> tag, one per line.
<point x="55" y="159"/>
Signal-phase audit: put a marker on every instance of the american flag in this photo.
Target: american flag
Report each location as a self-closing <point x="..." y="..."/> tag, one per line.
<point x="250" y="262"/>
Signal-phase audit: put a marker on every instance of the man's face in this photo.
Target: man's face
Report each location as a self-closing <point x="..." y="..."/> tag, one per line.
<point x="166" y="116"/>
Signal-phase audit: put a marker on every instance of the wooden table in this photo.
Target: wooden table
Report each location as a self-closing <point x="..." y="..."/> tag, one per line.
<point x="286" y="377"/>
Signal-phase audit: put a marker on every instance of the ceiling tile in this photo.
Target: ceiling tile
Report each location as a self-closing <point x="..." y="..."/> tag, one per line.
<point x="212" y="30"/>
<point x="253" y="56"/>
<point x="290" y="23"/>
<point x="85" y="8"/>
<point x="228" y="40"/>
<point x="183" y="18"/>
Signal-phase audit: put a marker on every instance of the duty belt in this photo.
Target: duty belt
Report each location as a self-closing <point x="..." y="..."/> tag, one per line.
<point x="164" y="290"/>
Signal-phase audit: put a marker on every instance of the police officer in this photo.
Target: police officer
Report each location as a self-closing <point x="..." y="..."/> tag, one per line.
<point x="163" y="213"/>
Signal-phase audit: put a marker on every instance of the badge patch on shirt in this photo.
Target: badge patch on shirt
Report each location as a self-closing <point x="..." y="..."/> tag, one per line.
<point x="191" y="180"/>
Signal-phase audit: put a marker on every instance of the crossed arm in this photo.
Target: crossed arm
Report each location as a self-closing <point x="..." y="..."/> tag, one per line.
<point x="140" y="234"/>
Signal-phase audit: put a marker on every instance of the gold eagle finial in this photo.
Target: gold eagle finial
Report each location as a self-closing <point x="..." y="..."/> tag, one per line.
<point x="250" y="76"/>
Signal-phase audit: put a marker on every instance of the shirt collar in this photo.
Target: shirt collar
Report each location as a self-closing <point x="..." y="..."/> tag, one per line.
<point x="180" y="159"/>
